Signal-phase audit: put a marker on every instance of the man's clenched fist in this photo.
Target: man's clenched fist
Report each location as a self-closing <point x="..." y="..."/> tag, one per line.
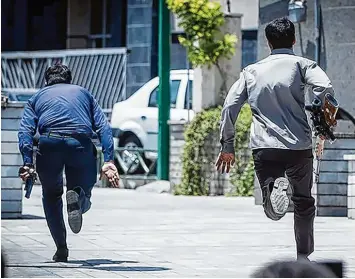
<point x="110" y="171"/>
<point x="26" y="171"/>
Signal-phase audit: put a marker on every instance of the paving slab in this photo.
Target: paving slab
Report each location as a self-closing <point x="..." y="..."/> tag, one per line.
<point x="129" y="234"/>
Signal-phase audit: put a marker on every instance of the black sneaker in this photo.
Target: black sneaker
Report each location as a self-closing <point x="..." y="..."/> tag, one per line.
<point x="75" y="217"/>
<point x="61" y="255"/>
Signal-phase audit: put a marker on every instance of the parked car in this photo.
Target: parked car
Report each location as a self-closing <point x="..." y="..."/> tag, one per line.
<point x="135" y="120"/>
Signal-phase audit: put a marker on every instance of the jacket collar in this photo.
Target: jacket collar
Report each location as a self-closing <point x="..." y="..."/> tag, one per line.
<point x="283" y="51"/>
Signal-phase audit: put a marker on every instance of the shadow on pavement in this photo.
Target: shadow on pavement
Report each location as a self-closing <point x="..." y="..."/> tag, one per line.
<point x="27" y="217"/>
<point x="32" y="217"/>
<point x="96" y="264"/>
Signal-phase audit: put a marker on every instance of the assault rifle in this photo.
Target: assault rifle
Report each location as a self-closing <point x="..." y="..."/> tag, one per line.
<point x="323" y="116"/>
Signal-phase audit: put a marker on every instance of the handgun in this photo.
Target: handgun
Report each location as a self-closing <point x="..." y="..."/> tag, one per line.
<point x="30" y="180"/>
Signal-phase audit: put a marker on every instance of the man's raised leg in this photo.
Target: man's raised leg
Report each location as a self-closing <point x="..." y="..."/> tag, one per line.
<point x="270" y="171"/>
<point x="81" y="175"/>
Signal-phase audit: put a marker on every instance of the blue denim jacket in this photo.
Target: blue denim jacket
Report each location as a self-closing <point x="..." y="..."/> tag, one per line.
<point x="63" y="108"/>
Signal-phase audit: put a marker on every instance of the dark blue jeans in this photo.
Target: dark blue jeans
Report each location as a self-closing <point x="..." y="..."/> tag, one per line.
<point x="78" y="157"/>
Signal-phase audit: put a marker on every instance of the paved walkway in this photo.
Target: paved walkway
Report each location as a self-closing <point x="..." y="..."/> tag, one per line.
<point x="130" y="234"/>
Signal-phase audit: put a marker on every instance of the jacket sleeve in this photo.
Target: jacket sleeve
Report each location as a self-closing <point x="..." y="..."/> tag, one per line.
<point x="318" y="80"/>
<point x="236" y="98"/>
<point x="27" y="130"/>
<point x="103" y="130"/>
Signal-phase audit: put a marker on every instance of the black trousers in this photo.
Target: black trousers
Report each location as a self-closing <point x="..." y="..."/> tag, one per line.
<point x="298" y="167"/>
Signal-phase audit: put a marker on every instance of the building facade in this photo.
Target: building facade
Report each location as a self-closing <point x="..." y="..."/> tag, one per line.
<point x="29" y="25"/>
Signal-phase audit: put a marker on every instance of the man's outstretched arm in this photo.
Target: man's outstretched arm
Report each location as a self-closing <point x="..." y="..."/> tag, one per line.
<point x="103" y="130"/>
<point x="27" y="130"/>
<point x="235" y="99"/>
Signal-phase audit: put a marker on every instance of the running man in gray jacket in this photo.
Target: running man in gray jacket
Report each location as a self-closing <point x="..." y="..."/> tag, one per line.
<point x="281" y="138"/>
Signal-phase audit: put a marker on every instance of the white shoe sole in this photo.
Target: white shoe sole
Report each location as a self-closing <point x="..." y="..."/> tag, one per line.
<point x="279" y="199"/>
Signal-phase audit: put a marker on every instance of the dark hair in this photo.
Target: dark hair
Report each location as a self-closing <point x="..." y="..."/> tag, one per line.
<point x="57" y="73"/>
<point x="293" y="269"/>
<point x="280" y="33"/>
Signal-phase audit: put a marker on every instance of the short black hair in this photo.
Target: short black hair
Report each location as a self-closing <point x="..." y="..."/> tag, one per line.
<point x="58" y="73"/>
<point x="293" y="269"/>
<point x="280" y="33"/>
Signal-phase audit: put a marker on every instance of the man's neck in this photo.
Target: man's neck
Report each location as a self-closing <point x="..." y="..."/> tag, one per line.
<point x="282" y="51"/>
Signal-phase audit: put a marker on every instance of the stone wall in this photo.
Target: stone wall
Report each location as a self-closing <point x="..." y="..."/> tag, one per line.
<point x="332" y="189"/>
<point x="11" y="160"/>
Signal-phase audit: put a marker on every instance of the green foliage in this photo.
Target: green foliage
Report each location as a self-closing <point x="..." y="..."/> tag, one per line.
<point x="201" y="21"/>
<point x="195" y="156"/>
<point x="203" y="124"/>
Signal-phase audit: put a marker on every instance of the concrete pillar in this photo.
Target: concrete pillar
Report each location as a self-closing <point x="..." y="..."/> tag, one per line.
<point x="78" y="24"/>
<point x="208" y="82"/>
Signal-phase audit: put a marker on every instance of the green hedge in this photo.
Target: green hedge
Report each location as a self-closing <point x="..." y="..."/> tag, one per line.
<point x="195" y="156"/>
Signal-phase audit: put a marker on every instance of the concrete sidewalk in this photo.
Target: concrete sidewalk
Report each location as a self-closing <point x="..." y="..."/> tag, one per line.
<point x="130" y="234"/>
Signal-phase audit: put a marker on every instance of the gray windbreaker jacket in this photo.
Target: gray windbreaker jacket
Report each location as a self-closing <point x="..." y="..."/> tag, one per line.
<point x="275" y="90"/>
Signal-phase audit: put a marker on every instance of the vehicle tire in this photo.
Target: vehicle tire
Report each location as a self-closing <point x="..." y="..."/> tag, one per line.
<point x="132" y="142"/>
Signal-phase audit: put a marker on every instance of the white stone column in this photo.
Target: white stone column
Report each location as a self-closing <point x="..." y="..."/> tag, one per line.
<point x="208" y="82"/>
<point x="351" y="185"/>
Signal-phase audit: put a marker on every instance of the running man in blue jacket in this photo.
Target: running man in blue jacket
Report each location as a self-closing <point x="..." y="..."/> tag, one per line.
<point x="66" y="117"/>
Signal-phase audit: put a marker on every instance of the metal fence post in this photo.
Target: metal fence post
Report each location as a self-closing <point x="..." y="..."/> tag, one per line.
<point x="164" y="91"/>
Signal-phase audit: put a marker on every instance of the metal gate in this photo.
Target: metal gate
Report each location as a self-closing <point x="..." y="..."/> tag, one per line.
<point x="101" y="71"/>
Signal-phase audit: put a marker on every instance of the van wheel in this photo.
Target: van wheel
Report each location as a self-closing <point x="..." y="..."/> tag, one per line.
<point x="131" y="142"/>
